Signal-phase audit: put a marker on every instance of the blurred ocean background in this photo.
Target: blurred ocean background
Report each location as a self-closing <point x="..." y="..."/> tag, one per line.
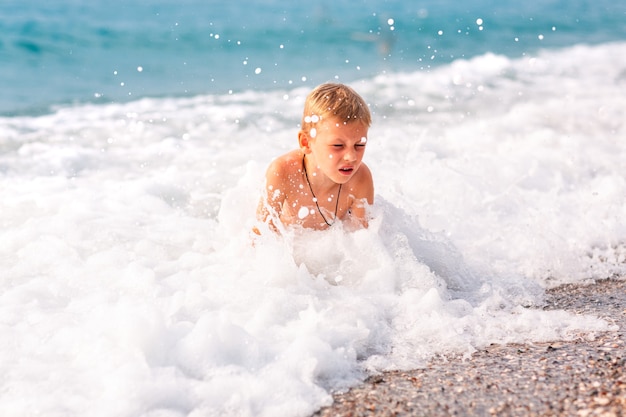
<point x="134" y="136"/>
<point x="71" y="51"/>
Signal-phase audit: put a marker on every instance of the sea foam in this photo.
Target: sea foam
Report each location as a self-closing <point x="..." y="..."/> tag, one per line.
<point x="132" y="284"/>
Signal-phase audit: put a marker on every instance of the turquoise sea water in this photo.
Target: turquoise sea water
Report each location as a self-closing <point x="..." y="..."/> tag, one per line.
<point x="70" y="51"/>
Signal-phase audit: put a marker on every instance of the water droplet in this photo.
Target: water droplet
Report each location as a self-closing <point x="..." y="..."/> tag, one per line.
<point x="303" y="212"/>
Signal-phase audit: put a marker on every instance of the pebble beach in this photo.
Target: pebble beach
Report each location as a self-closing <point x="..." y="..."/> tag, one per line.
<point x="582" y="377"/>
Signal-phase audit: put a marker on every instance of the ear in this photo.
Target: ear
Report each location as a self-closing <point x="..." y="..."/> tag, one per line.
<point x="305" y="141"/>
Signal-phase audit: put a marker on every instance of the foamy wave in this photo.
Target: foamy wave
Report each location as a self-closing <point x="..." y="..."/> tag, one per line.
<point x="126" y="238"/>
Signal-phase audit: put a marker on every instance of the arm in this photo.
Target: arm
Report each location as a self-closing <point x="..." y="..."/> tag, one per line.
<point x="363" y="196"/>
<point x="270" y="204"/>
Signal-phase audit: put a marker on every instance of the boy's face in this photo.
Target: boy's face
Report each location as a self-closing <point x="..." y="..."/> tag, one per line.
<point x="337" y="148"/>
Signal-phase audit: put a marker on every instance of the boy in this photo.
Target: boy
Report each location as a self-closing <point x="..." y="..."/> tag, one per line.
<point x="324" y="180"/>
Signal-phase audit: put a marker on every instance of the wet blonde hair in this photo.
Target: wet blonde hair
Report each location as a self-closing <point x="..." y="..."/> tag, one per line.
<point x="337" y="101"/>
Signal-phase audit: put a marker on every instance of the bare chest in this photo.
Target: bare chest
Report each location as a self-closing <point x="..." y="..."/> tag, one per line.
<point x="319" y="212"/>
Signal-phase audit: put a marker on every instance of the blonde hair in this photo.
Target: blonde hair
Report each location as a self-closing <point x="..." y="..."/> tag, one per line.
<point x="334" y="100"/>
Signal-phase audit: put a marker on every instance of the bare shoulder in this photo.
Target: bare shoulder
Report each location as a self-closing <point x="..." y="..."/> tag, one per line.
<point x="282" y="173"/>
<point x="363" y="184"/>
<point x="285" y="165"/>
<point x="364" y="173"/>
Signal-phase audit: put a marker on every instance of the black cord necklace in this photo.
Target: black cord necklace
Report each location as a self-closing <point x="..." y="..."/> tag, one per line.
<point x="315" y="198"/>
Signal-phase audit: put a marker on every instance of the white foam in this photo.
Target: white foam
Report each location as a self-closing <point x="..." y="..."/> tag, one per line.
<point x="130" y="284"/>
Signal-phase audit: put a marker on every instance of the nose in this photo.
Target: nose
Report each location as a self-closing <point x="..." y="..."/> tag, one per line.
<point x="349" y="156"/>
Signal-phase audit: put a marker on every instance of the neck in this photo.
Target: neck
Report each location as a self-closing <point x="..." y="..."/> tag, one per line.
<point x="320" y="182"/>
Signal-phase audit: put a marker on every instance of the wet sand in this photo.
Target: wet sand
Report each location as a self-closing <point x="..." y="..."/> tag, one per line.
<point x="583" y="377"/>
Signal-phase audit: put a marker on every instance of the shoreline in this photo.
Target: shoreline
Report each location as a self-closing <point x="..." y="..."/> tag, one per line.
<point x="579" y="378"/>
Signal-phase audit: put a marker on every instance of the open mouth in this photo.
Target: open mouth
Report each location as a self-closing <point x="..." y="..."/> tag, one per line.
<point x="346" y="171"/>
